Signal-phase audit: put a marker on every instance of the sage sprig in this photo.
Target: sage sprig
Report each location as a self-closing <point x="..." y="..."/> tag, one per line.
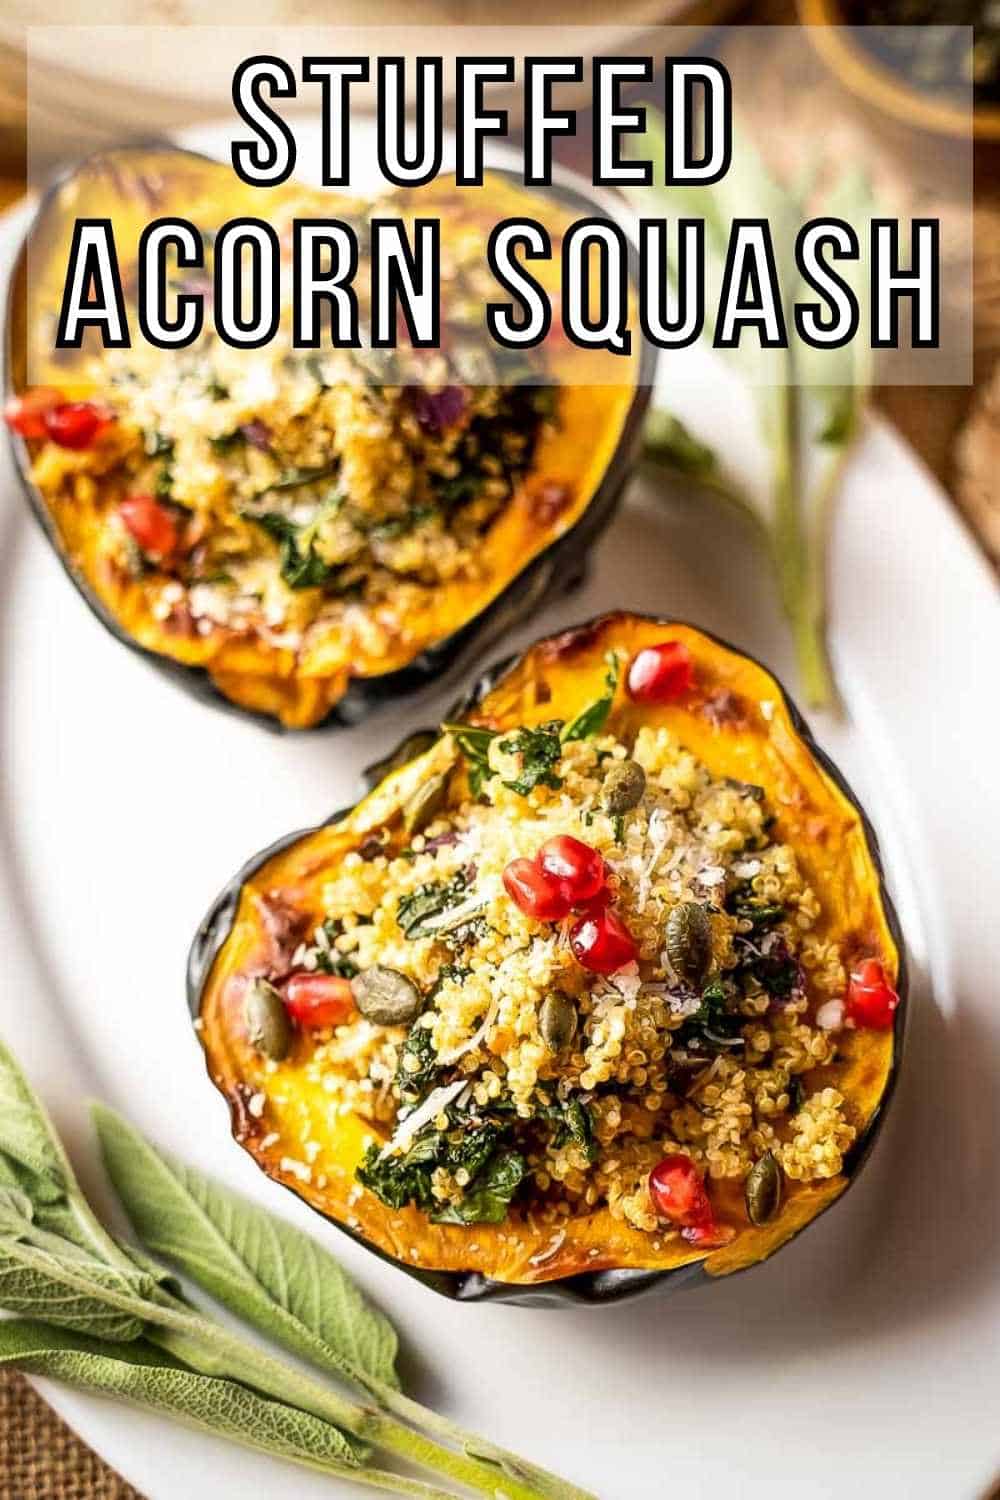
<point x="111" y="1317"/>
<point x="809" y="401"/>
<point x="140" y="1373"/>
<point x="278" y="1279"/>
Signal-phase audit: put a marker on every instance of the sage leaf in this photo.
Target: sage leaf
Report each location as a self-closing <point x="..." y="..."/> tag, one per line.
<point x="140" y="1373"/>
<point x="25" y="1131"/>
<point x="71" y="1290"/>
<point x="32" y="1160"/>
<point x="257" y="1265"/>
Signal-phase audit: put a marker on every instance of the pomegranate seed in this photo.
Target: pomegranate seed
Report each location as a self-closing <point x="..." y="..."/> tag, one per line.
<point x="75" y="424"/>
<point x="318" y="999"/>
<point x="602" y="943"/>
<point x="871" y="999"/>
<point x="26" y="414"/>
<point x="534" y="892"/>
<point x="577" y="867"/>
<point x="678" y="1192"/>
<point x="661" y="673"/>
<point x="150" y="524"/>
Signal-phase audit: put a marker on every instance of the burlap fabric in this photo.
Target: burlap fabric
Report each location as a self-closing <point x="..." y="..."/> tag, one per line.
<point x="41" y="1459"/>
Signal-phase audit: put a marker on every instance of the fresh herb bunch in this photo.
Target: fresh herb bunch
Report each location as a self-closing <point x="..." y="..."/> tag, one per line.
<point x="106" y="1316"/>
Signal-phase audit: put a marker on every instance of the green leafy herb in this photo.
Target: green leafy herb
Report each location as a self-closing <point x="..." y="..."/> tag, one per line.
<point x="570" y="1121"/>
<point x="540" y="750"/>
<point x="139" y="1372"/>
<point x="260" y="1267"/>
<point x="403" y="1178"/>
<point x="591" y="720"/>
<point x="714" y="1026"/>
<point x="415" y="1080"/>
<point x="301" y="565"/>
<point x="761" y="915"/>
<point x="474" y="743"/>
<point x="417" y="910"/>
<point x="156" y="445"/>
<point x="487" y="1201"/>
<point x="406" y="1177"/>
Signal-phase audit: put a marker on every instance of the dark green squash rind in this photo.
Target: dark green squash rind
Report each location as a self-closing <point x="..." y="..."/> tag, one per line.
<point x="557" y="568"/>
<point x="592" y="1287"/>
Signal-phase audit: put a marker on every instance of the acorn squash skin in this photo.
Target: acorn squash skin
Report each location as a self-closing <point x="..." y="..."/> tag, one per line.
<point x="558" y="567"/>
<point x="879" y="1053"/>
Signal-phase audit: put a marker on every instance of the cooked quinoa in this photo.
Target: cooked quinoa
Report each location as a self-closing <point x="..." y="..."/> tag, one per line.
<point x="473" y="1113"/>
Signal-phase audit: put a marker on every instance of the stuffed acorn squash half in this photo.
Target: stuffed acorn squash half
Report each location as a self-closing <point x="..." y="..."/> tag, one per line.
<point x="303" y="533"/>
<point x="598" y="987"/>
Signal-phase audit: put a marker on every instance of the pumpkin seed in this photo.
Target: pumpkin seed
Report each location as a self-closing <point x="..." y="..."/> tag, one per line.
<point x="557" y="1021"/>
<point x="386" y="997"/>
<point x="689" y="942"/>
<point x="267" y="1022"/>
<point x="763" y="1189"/>
<point x="425" y="803"/>
<point x="623" y="787"/>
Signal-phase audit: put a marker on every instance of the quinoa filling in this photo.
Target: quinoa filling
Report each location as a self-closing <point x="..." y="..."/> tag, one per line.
<point x="519" y="1052"/>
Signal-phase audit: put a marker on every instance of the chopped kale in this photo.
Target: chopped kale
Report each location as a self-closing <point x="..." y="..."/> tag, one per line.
<point x="428" y="901"/>
<point x="714" y="1027"/>
<point x="540" y="750"/>
<point x="474" y="743"/>
<point x="775" y="968"/>
<point x="488" y="1197"/>
<point x="761" y="915"/>
<point x="471" y="1148"/>
<point x="399" y="1180"/>
<point x="414" y="1082"/>
<point x="591" y="720"/>
<point x="301" y="565"/>
<point x="570" y="1121"/>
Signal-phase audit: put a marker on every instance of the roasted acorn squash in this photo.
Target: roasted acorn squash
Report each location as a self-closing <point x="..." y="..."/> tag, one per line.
<point x="717" y="709"/>
<point x="178" y="523"/>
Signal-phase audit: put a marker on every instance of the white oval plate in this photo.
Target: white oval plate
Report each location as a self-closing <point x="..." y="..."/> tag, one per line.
<point x="863" y="1359"/>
